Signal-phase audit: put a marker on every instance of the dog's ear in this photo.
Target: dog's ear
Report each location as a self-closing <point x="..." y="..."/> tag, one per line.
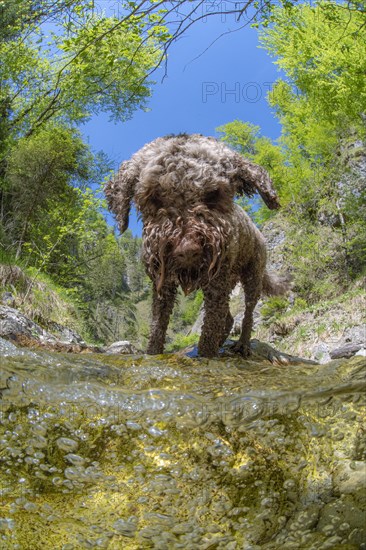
<point x="249" y="178"/>
<point x="119" y="192"/>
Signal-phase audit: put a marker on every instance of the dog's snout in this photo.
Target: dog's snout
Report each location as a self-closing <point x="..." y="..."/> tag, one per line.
<point x="187" y="252"/>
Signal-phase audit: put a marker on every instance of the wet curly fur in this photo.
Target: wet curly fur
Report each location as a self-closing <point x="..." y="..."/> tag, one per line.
<point x="194" y="234"/>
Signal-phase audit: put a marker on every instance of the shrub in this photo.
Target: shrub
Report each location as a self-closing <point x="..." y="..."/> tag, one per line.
<point x="274" y="307"/>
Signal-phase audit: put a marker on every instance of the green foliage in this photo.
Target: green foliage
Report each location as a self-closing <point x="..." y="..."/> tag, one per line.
<point x="61" y="63"/>
<point x="245" y="138"/>
<point x="317" y="261"/>
<point x="53" y="221"/>
<point x="274" y="307"/>
<point x="7" y="257"/>
<point x="84" y="64"/>
<point x="180" y="342"/>
<point x="40" y="298"/>
<point x="322" y="49"/>
<point x="299" y="304"/>
<point x="317" y="163"/>
<point x="240" y="136"/>
<point x="192" y="308"/>
<point x="322" y="101"/>
<point x="37" y="187"/>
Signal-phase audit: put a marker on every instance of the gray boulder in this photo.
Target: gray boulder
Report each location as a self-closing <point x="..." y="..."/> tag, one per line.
<point x="14" y="324"/>
<point x="121" y="347"/>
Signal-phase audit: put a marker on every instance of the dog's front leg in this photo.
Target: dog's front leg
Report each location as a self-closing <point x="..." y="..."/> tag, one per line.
<point x="162" y="308"/>
<point x="217" y="319"/>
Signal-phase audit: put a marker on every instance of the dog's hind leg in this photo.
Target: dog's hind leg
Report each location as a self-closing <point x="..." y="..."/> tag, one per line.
<point x="227" y="328"/>
<point x="251" y="280"/>
<point x="162" y="308"/>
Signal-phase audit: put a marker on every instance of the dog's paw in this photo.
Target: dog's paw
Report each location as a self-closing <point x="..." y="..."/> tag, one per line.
<point x="154" y="350"/>
<point x="240" y="349"/>
<point x="207" y="354"/>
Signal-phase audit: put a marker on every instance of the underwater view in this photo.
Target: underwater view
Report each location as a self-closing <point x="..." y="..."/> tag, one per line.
<point x="168" y="452"/>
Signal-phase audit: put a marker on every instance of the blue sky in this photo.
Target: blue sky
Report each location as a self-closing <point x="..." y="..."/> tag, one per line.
<point x="203" y="90"/>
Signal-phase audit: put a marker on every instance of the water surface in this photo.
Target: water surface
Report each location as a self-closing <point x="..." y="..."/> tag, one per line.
<point x="170" y="452"/>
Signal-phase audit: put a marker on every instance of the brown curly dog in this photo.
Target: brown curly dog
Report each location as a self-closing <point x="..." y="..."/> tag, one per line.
<point x="194" y="234"/>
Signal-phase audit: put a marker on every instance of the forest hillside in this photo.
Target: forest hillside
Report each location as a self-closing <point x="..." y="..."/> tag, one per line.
<point x="60" y="261"/>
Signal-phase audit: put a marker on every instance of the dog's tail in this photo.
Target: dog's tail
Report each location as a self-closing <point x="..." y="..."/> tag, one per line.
<point x="119" y="192"/>
<point x="275" y="285"/>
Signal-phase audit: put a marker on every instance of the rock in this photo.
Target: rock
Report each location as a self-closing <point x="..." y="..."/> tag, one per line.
<point x="321" y="353"/>
<point x="66" y="335"/>
<point x="356" y="333"/>
<point x="238" y="319"/>
<point x="8" y="299"/>
<point x="350" y="477"/>
<point x="345" y="351"/>
<point x="348" y="509"/>
<point x="263" y="349"/>
<point x="122" y="347"/>
<point x="18" y="328"/>
<point x="236" y="292"/>
<point x="8" y="349"/>
<point x="275" y="236"/>
<point x="197" y="325"/>
<point x="258" y="350"/>
<point x="15" y="325"/>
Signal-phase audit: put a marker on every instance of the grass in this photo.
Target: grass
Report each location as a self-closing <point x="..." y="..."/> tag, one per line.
<point x="40" y="299"/>
<point x="307" y="324"/>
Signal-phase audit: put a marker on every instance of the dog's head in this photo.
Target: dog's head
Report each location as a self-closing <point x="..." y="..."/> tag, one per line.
<point x="185" y="235"/>
<point x="184" y="188"/>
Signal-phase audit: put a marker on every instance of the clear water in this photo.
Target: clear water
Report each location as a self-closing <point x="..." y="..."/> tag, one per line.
<point x="172" y="452"/>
